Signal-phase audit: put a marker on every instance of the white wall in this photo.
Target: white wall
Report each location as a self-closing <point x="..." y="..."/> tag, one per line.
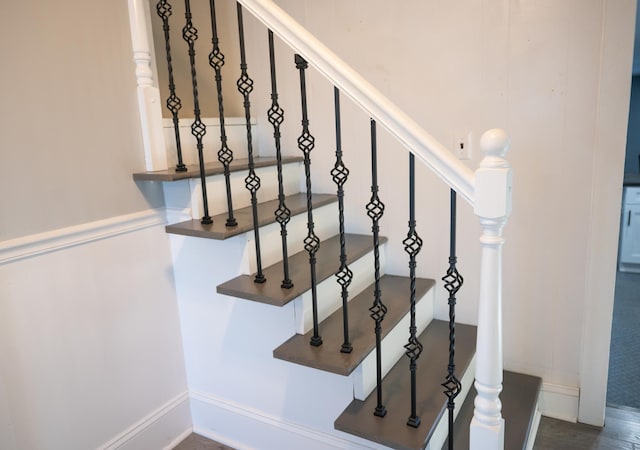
<point x="90" y="347"/>
<point x="548" y="72"/>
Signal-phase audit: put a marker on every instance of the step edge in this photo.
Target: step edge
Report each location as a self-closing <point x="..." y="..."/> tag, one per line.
<point x="349" y="371"/>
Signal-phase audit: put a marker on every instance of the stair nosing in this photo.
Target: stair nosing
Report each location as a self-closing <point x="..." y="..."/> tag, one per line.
<point x="211" y="168"/>
<point x="271" y="293"/>
<point x="244" y="216"/>
<point x="310" y="356"/>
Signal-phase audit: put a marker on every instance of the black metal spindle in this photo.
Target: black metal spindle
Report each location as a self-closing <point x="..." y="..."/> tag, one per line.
<point x="452" y="282"/>
<point x="225" y="154"/>
<point x="163" y="8"/>
<point x="306" y="142"/>
<point x="276" y="116"/>
<point x="198" y="129"/>
<point x="412" y="245"/>
<point x="252" y="181"/>
<point x="340" y="173"/>
<point x="375" y="210"/>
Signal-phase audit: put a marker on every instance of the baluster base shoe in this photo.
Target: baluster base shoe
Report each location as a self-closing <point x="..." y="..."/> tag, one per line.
<point x="346" y="348"/>
<point x="413" y="422"/>
<point x="316" y="341"/>
<point x="380" y="411"/>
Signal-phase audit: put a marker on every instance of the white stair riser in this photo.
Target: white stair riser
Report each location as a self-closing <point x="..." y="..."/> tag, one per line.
<point x="330" y="292"/>
<point x="442" y="427"/>
<point x="325" y="220"/>
<point x="364" y="377"/>
<point x="217" y="193"/>
<point x="236" y="139"/>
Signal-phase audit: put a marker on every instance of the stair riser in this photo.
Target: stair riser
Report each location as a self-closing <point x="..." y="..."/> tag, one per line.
<point x="364" y="377"/>
<point x="330" y="292"/>
<point x="441" y="429"/>
<point x="325" y="221"/>
<point x="236" y="139"/>
<point x="216" y="189"/>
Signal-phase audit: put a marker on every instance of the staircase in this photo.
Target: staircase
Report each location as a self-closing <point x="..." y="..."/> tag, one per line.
<point x="283" y="349"/>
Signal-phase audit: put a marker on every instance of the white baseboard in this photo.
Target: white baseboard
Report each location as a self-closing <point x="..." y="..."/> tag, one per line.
<point x="559" y="402"/>
<point x="42" y="243"/>
<point x="246" y="428"/>
<point x="163" y="428"/>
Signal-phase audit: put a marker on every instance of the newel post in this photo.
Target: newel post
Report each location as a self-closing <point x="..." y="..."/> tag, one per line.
<point x="492" y="206"/>
<point x="149" y="106"/>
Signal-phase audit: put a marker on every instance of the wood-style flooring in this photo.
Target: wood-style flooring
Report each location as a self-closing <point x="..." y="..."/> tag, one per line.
<point x="621" y="432"/>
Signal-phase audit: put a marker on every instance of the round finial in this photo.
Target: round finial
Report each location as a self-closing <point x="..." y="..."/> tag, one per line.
<point x="495" y="142"/>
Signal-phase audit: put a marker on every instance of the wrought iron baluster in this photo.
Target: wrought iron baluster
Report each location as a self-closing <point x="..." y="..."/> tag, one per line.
<point x="225" y="154"/>
<point x="375" y="210"/>
<point x="276" y="117"/>
<point x="252" y="181"/>
<point x="163" y="8"/>
<point x="412" y="245"/>
<point x="452" y="282"/>
<point x="306" y="142"/>
<point x="340" y="173"/>
<point x="198" y="129"/>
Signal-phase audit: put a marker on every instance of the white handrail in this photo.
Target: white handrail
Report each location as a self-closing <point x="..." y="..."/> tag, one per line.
<point x="426" y="148"/>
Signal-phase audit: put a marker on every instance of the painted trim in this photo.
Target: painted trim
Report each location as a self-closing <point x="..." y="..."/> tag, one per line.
<point x="270" y="420"/>
<point x="181" y="437"/>
<point x="147" y="422"/>
<point x="559" y="401"/>
<point x="38" y="244"/>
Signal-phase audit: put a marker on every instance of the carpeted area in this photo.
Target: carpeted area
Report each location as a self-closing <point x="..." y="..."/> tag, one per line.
<point x="624" y="364"/>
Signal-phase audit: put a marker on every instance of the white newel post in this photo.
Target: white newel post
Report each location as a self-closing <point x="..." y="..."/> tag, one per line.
<point x="492" y="206"/>
<point x="149" y="103"/>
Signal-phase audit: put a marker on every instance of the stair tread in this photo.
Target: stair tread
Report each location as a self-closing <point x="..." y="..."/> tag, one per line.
<point x="519" y="400"/>
<point x="297" y="204"/>
<point x="395" y="295"/>
<point x="211" y="168"/>
<point x="392" y="430"/>
<point x="327" y="264"/>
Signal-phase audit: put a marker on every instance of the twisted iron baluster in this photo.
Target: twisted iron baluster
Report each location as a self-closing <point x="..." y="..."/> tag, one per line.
<point x="163" y="8"/>
<point x="252" y="181"/>
<point x="412" y="245"/>
<point x="306" y="142"/>
<point x="225" y="154"/>
<point x="452" y="283"/>
<point x="198" y="129"/>
<point x="340" y="173"/>
<point x="375" y="210"/>
<point x="276" y="116"/>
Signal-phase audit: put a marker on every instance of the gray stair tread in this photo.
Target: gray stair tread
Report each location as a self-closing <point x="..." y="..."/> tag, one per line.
<point x="395" y="295"/>
<point x="519" y="399"/>
<point x="211" y="168"/>
<point x="392" y="430"/>
<point x="327" y="264"/>
<point x="297" y="203"/>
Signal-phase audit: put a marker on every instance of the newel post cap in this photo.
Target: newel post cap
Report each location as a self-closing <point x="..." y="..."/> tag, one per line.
<point x="495" y="142"/>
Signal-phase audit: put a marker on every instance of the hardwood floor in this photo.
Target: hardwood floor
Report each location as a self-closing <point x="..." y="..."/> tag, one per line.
<point x="621" y="432"/>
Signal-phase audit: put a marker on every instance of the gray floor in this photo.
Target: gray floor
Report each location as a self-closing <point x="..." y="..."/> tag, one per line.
<point x="621" y="432"/>
<point x="624" y="362"/>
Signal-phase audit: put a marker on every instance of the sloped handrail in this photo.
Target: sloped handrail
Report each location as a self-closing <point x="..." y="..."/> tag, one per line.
<point x="406" y="130"/>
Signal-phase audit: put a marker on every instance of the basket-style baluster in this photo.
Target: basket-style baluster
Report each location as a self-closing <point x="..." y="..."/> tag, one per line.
<point x="412" y="245"/>
<point x="198" y="129"/>
<point x="163" y="8"/>
<point x="306" y="142"/>
<point x="225" y="154"/>
<point x="276" y="117"/>
<point x="340" y="173"/>
<point x="375" y="210"/>
<point x="252" y="181"/>
<point x="452" y="282"/>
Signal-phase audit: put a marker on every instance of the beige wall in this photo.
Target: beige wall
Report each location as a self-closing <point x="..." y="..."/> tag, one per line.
<point x="69" y="123"/>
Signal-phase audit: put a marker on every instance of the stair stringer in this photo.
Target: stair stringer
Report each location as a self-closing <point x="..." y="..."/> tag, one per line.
<point x="235" y="383"/>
